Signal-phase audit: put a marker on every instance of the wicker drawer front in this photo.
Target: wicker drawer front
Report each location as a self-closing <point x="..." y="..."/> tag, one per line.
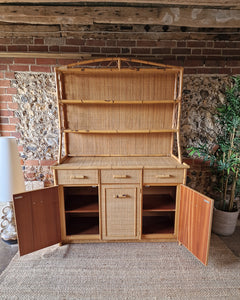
<point x="163" y="176"/>
<point x="120" y="176"/>
<point x="77" y="177"/>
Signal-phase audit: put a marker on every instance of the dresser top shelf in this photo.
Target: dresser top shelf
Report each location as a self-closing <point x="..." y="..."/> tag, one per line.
<point x="125" y="162"/>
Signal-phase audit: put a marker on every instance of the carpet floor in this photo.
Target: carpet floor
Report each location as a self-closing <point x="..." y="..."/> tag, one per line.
<point x="122" y="271"/>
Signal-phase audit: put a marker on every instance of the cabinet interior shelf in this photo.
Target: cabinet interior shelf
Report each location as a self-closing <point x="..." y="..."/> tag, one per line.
<point x="78" y="225"/>
<point x="159" y="203"/>
<point x="121" y="131"/>
<point x="158" y="224"/>
<point x="86" y="204"/>
<point x="72" y="101"/>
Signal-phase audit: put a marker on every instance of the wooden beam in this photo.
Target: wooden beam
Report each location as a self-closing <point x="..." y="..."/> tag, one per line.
<point x="78" y="56"/>
<point x="207" y="3"/>
<point x="53" y="15"/>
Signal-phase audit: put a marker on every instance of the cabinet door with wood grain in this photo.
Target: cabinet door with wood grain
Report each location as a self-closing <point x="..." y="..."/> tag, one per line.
<point x="120" y="212"/>
<point x="195" y="222"/>
<point x="37" y="219"/>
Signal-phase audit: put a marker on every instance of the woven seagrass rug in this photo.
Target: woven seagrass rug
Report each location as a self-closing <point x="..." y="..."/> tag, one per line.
<point x="122" y="271"/>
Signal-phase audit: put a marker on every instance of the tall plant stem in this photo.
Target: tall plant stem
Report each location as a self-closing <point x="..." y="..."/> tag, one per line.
<point x="233" y="191"/>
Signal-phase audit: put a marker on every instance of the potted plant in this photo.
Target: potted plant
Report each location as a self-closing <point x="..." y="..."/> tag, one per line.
<point x="224" y="159"/>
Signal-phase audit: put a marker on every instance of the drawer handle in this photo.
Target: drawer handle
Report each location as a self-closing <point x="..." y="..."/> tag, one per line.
<point x="163" y="176"/>
<point x="78" y="177"/>
<point x="121" y="196"/>
<point x="120" y="176"/>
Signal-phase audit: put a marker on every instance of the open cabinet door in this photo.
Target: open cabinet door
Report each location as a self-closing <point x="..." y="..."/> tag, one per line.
<point x="195" y="222"/>
<point x="37" y="219"/>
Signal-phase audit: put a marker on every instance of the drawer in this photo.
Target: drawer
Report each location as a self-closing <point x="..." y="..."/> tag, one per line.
<point x="120" y="176"/>
<point x="77" y="177"/>
<point x="163" y="176"/>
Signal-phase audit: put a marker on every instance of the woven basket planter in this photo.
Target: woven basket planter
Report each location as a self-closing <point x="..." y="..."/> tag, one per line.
<point x="224" y="222"/>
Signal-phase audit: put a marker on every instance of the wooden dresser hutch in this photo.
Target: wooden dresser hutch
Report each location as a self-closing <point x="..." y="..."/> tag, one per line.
<point x="120" y="176"/>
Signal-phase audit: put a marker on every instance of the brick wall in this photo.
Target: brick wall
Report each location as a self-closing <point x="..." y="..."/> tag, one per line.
<point x="198" y="57"/>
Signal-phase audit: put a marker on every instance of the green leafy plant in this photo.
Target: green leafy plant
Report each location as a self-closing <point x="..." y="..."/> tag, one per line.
<point x="224" y="158"/>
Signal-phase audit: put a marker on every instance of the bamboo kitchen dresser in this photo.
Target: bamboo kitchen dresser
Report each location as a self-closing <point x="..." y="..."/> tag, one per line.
<point x="119" y="176"/>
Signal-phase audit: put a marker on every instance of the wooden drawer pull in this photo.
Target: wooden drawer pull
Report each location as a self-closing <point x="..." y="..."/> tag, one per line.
<point x="121" y="196"/>
<point x="78" y="177"/>
<point x="120" y="176"/>
<point x="163" y="176"/>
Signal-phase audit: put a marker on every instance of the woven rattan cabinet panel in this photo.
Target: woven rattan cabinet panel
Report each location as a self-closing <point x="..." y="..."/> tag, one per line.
<point x="120" y="212"/>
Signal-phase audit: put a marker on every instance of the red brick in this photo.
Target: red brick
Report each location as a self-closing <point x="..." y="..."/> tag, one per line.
<point x="3" y="106"/>
<point x="3" y="67"/>
<point x="166" y="44"/>
<point x="190" y="71"/>
<point x="6" y="98"/>
<point x="74" y="41"/>
<point x="6" y="112"/>
<point x="95" y="43"/>
<point x="181" y="51"/>
<point x="235" y="71"/>
<point x="147" y="43"/>
<point x="196" y="51"/>
<point x="161" y="51"/>
<point x="2" y="75"/>
<point x="194" y="62"/>
<point x="47" y="162"/>
<point x="24" y="60"/>
<point x="13" y="105"/>
<point x="69" y="49"/>
<point x="9" y="75"/>
<point x="3" y="91"/>
<point x="16" y="134"/>
<point x="182" y="44"/>
<point x="140" y="51"/>
<point x="209" y="44"/>
<point x="92" y="49"/>
<point x="111" y="43"/>
<point x="31" y="162"/>
<point x="212" y="52"/>
<point x="40" y="69"/>
<point x="231" y="52"/>
<point x="17" y="48"/>
<point x="11" y="91"/>
<point x="6" y="83"/>
<point x="38" y="48"/>
<point x="46" y="61"/>
<point x="4" y="120"/>
<point x="19" y="68"/>
<point x="197" y="44"/>
<point x="5" y="41"/>
<point x="233" y="62"/>
<point x="227" y="44"/>
<point x="22" y="41"/>
<point x="126" y="43"/>
<point x="8" y="127"/>
<point x="53" y="48"/>
<point x="3" y="48"/>
<point x="63" y="62"/>
<point x="215" y="63"/>
<point x="6" y="60"/>
<point x="13" y="121"/>
<point x="38" y="41"/>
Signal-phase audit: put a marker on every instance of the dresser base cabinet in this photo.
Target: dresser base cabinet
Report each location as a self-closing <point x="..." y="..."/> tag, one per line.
<point x="120" y="217"/>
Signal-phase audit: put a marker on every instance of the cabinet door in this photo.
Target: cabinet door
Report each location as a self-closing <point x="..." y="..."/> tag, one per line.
<point x="120" y="212"/>
<point x="195" y="222"/>
<point x="37" y="219"/>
